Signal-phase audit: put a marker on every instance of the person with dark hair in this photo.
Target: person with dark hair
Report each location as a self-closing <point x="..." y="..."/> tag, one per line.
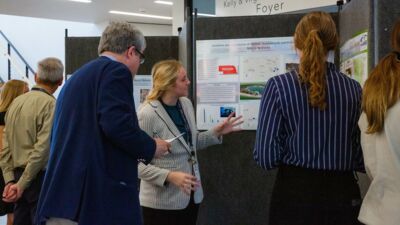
<point x="380" y="138"/>
<point x="26" y="141"/>
<point x="10" y="90"/>
<point x="308" y="128"/>
<point x="91" y="178"/>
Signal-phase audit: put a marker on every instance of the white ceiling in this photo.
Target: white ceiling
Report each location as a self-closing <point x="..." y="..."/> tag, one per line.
<point x="95" y="12"/>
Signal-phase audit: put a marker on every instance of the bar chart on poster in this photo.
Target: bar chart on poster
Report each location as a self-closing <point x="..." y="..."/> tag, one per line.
<point x="231" y="75"/>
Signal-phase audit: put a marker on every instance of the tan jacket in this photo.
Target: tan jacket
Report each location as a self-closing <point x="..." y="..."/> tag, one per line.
<point x="26" y="139"/>
<point x="154" y="191"/>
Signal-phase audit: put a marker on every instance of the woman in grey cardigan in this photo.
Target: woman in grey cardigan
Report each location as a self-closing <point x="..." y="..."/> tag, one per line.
<point x="170" y="189"/>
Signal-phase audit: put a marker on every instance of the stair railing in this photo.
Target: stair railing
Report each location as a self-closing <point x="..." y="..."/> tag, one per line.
<point x="11" y="61"/>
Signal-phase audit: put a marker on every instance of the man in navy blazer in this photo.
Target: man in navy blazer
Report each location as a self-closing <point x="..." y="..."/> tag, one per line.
<point x="96" y="143"/>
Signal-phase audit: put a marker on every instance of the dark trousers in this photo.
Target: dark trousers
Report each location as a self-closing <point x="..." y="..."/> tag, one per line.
<point x="25" y="207"/>
<point x="187" y="216"/>
<point x="314" y="197"/>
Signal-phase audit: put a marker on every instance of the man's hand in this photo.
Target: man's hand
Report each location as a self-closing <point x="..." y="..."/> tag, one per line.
<point x="12" y="192"/>
<point x="7" y="194"/>
<point x="162" y="147"/>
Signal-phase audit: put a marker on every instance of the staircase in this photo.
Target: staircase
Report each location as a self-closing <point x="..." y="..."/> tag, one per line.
<point x="12" y="64"/>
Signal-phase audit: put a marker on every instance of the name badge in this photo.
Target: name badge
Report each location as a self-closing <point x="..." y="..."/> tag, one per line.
<point x="198" y="194"/>
<point x="196" y="171"/>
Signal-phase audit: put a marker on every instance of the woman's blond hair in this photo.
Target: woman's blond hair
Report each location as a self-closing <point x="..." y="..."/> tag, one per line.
<point x="315" y="35"/>
<point x="10" y="90"/>
<point x="164" y="74"/>
<point x="382" y="88"/>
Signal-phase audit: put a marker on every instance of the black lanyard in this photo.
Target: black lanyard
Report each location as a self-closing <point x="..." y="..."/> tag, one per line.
<point x="41" y="90"/>
<point x="192" y="158"/>
<point x="187" y="127"/>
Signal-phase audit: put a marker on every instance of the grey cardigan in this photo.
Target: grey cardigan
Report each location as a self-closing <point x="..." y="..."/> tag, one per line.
<point x="155" y="192"/>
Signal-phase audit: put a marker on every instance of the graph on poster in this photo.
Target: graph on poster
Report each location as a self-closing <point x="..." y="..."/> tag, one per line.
<point x="231" y="75"/>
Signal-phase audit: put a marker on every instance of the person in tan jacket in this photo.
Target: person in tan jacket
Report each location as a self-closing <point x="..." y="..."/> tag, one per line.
<point x="26" y="141"/>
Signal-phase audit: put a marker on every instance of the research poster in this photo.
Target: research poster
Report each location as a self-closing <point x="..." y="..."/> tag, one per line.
<point x="354" y="57"/>
<point x="142" y="85"/>
<point x="231" y="75"/>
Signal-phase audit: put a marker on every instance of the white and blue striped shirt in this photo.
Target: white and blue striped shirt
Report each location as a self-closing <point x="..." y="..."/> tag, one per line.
<point x="292" y="132"/>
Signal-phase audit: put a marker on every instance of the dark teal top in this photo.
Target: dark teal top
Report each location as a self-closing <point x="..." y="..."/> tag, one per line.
<point x="176" y="117"/>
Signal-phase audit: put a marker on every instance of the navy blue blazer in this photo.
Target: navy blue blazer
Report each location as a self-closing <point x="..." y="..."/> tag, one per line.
<point x="95" y="147"/>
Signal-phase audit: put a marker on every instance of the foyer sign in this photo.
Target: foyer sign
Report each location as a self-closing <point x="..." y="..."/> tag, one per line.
<point x="265" y="7"/>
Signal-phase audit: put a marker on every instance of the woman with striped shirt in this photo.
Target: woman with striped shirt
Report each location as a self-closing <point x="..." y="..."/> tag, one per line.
<point x="308" y="129"/>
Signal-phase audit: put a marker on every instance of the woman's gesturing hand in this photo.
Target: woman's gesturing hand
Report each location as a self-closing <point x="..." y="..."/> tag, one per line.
<point x="229" y="125"/>
<point x="186" y="182"/>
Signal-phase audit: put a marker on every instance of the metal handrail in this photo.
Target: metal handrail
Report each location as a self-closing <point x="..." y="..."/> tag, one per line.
<point x="15" y="65"/>
<point x="16" y="51"/>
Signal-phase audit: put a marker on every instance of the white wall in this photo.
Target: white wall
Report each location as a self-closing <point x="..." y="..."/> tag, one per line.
<point x="37" y="38"/>
<point x="147" y="29"/>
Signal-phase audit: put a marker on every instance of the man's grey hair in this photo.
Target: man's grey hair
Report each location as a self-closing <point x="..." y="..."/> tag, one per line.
<point x="119" y="36"/>
<point x="50" y="70"/>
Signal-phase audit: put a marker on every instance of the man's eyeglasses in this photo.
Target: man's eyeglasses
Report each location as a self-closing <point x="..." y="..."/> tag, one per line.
<point x="141" y="56"/>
